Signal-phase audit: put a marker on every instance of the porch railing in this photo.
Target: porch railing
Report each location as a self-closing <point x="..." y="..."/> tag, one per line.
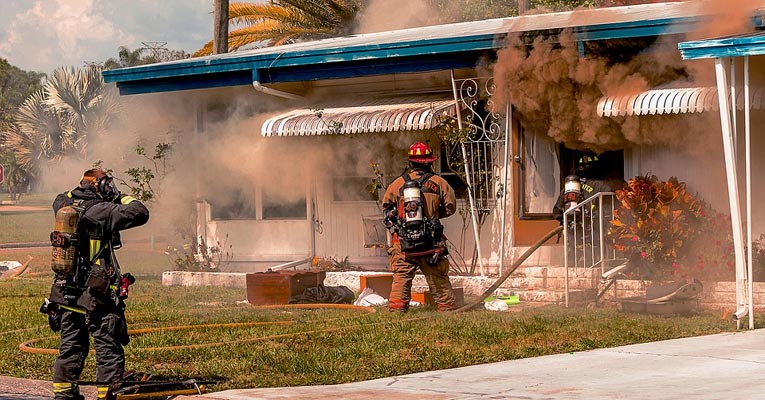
<point x="585" y="238"/>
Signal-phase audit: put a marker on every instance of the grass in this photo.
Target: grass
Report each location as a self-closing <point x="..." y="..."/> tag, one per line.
<point x="28" y="226"/>
<point x="324" y="346"/>
<point x="32" y="199"/>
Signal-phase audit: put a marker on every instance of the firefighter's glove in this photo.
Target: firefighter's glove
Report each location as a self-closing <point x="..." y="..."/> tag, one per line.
<point x="54" y="318"/>
<point x="434" y="258"/>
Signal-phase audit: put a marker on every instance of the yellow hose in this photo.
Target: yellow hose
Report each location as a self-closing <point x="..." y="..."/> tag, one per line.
<point x="517" y="263"/>
<point x="28" y="346"/>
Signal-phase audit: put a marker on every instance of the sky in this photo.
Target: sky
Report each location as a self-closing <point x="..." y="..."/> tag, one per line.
<point x="41" y="35"/>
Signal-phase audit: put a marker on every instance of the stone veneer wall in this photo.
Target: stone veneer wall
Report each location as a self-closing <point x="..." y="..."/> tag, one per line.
<point x="716" y="296"/>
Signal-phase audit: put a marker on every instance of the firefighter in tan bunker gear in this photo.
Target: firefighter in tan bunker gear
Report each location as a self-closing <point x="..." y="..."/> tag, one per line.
<point x="417" y="240"/>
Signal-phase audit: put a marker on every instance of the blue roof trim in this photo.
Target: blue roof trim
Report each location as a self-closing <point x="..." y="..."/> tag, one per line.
<point x="300" y="58"/>
<point x="666" y="26"/>
<point x="752" y="44"/>
<point x="327" y="60"/>
<point x="226" y="79"/>
<point x="432" y="62"/>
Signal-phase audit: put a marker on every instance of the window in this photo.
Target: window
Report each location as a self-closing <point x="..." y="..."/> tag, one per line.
<point x="353" y="188"/>
<point x="236" y="206"/>
<point x="254" y="205"/>
<point x="539" y="175"/>
<point x="281" y="208"/>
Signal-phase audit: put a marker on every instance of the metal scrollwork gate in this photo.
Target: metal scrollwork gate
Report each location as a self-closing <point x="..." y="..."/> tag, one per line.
<point x="483" y="146"/>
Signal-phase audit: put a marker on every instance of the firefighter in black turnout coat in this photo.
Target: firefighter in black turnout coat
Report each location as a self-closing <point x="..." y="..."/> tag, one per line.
<point x="87" y="296"/>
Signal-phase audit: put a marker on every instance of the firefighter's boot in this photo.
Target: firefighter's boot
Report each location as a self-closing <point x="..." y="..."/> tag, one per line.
<point x="66" y="391"/>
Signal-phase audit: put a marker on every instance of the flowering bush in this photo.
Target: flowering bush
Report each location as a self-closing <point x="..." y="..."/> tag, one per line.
<point x="330" y="263"/>
<point x="667" y="233"/>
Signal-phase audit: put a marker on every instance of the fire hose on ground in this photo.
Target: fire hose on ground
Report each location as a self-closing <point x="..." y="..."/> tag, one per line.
<point x="28" y="346"/>
<point x="517" y="263"/>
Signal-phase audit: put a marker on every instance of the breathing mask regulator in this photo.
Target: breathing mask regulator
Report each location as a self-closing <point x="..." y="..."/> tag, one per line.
<point x="572" y="192"/>
<point x="107" y="189"/>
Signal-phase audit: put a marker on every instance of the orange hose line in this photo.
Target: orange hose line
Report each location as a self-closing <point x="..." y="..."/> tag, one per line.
<point x="22" y="330"/>
<point x="16" y="272"/>
<point x="28" y="346"/>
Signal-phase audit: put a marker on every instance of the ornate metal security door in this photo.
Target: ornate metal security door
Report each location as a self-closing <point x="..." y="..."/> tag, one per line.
<point x="483" y="145"/>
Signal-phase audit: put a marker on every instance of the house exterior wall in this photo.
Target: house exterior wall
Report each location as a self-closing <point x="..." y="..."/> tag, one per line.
<point x="274" y="241"/>
<point x="700" y="164"/>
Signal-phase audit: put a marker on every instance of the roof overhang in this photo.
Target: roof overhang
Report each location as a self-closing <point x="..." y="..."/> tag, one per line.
<point x="375" y="115"/>
<point x="750" y="44"/>
<point x="432" y="48"/>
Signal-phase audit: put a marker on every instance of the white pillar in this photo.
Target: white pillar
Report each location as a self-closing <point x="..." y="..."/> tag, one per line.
<point x="733" y="197"/>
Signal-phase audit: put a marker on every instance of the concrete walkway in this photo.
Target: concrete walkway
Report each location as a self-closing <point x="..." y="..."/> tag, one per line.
<point x="723" y="366"/>
<point x="714" y="367"/>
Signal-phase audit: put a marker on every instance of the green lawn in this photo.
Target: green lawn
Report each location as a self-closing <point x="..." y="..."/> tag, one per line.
<point x="324" y="346"/>
<point x="32" y="199"/>
<point x="137" y="255"/>
<point x="28" y="226"/>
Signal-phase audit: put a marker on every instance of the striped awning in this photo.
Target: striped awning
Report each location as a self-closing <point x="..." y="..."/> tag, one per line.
<point x="673" y="101"/>
<point x="398" y="114"/>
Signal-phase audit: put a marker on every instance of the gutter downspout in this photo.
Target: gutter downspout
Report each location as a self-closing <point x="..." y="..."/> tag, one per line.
<point x="311" y="235"/>
<point x="269" y="91"/>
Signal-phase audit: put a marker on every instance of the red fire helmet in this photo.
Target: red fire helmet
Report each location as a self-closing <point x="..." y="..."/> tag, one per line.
<point x="420" y="153"/>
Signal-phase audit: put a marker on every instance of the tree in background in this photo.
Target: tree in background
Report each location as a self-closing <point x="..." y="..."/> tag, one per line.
<point x="142" y="56"/>
<point x="283" y="21"/>
<point x="59" y="119"/>
<point x="472" y="10"/>
<point x="15" y="86"/>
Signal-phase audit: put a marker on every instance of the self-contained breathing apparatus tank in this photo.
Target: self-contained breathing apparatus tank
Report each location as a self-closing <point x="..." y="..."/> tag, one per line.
<point x="414" y="222"/>
<point x="64" y="240"/>
<point x="417" y="233"/>
<point x="572" y="192"/>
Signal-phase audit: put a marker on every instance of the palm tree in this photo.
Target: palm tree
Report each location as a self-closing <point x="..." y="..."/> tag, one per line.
<point x="128" y="58"/>
<point x="284" y="21"/>
<point x="59" y="119"/>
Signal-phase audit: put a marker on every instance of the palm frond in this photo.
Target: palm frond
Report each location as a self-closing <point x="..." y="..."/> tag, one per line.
<point x="249" y="13"/>
<point x="283" y="21"/>
<point x="26" y="146"/>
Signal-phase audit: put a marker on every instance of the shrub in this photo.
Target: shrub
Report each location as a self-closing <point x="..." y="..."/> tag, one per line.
<point x="330" y="263"/>
<point x="667" y="233"/>
<point x="199" y="257"/>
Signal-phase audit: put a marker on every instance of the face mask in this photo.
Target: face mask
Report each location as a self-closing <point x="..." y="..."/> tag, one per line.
<point x="108" y="189"/>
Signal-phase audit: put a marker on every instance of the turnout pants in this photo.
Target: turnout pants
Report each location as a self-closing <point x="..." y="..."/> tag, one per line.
<point x="404" y="268"/>
<point x="109" y="332"/>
